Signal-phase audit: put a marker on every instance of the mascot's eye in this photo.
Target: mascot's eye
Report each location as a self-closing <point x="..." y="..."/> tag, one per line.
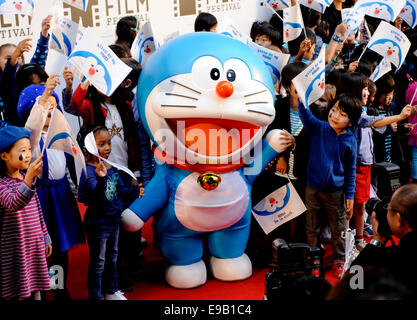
<point x="231" y="75"/>
<point x="215" y="74"/>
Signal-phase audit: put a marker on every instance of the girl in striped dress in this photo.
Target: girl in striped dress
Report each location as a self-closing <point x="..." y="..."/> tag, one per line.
<point x="24" y="240"/>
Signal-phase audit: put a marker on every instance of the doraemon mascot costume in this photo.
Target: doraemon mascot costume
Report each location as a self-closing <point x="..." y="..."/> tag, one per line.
<point x="192" y="88"/>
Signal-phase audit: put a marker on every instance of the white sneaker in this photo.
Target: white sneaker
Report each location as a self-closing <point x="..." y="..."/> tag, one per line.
<point x="118" y="295"/>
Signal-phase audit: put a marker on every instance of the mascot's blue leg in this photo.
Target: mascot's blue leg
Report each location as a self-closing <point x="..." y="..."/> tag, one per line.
<point x="230" y="242"/>
<point x="182" y="250"/>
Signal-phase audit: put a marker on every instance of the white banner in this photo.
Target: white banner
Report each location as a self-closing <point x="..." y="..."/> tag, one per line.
<point x="16" y="7"/>
<point x="143" y="46"/>
<point x="274" y="60"/>
<point x="64" y="36"/>
<point x="382" y="68"/>
<point x="409" y="13"/>
<point x="278" y="207"/>
<point x="315" y="5"/>
<point x="79" y="4"/>
<point x="353" y="18"/>
<point x="383" y="9"/>
<point x="390" y="43"/>
<point x="310" y="83"/>
<point x="98" y="63"/>
<point x="293" y="23"/>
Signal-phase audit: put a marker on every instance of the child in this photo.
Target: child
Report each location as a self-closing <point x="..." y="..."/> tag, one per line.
<point x="57" y="188"/>
<point x="205" y="22"/>
<point x="305" y="49"/>
<point x="25" y="243"/>
<point x="126" y="30"/>
<point x="331" y="172"/>
<point x="101" y="190"/>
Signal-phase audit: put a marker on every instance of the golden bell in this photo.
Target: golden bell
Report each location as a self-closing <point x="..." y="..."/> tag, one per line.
<point x="209" y="181"/>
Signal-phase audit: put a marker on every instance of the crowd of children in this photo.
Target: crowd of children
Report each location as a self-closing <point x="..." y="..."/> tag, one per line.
<point x="355" y="124"/>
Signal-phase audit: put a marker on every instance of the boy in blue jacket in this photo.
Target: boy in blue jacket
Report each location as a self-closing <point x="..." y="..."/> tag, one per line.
<point x="331" y="172"/>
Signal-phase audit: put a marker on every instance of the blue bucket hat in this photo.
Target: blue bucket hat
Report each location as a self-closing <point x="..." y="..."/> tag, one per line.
<point x="28" y="97"/>
<point x="10" y="134"/>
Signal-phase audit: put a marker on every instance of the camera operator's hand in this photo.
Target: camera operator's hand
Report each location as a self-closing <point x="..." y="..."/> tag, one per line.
<point x="375" y="224"/>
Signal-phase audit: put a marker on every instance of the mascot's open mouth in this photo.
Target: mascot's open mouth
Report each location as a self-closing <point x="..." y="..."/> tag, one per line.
<point x="213" y="137"/>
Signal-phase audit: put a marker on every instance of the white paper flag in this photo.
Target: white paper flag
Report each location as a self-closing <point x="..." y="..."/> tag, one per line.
<point x="64" y="36"/>
<point x="293" y="23"/>
<point x="383" y="9"/>
<point x="390" y="43"/>
<point x="98" y="63"/>
<point x="382" y="68"/>
<point x="310" y="83"/>
<point x="79" y="4"/>
<point x="274" y="60"/>
<point x="353" y="18"/>
<point x="409" y="13"/>
<point x="315" y="5"/>
<point x="143" y="46"/>
<point x="16" y="7"/>
<point x="91" y="146"/>
<point x="279" y="4"/>
<point x="229" y="29"/>
<point x="278" y="207"/>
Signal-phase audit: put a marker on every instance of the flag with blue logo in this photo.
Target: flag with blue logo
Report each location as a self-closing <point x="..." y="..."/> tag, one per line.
<point x="314" y="4"/>
<point x="98" y="63"/>
<point x="79" y="4"/>
<point x="383" y="9"/>
<point x="273" y="60"/>
<point x="390" y="43"/>
<point x="64" y="36"/>
<point x="61" y="137"/>
<point x="382" y="68"/>
<point x="279" y="207"/>
<point x="144" y="45"/>
<point x="409" y="13"/>
<point x="353" y="19"/>
<point x="279" y="4"/>
<point x="310" y="84"/>
<point x="293" y="23"/>
<point x="16" y="7"/>
<point x="228" y="28"/>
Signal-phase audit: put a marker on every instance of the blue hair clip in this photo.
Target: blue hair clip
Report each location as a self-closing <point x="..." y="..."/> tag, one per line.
<point x="137" y="25"/>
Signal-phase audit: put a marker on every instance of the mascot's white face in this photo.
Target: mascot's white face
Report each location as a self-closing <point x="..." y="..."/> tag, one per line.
<point x="389" y="51"/>
<point x="380" y="11"/>
<point x="407" y="14"/>
<point x="19" y="5"/>
<point x="317" y="89"/>
<point x="290" y="32"/>
<point x="211" y="114"/>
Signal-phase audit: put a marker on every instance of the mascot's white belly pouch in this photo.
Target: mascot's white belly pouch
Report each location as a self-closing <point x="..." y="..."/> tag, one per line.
<point x="202" y="210"/>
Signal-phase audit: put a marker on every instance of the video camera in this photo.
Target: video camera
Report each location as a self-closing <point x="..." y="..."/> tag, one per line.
<point x="381" y="209"/>
<point x="292" y="262"/>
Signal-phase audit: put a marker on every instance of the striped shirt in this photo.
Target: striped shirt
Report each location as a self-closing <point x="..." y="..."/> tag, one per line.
<point x="388" y="139"/>
<point x="23" y="235"/>
<point x="296" y="127"/>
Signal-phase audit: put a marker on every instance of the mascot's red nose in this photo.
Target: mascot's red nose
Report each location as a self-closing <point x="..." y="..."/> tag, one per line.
<point x="18" y="6"/>
<point x="224" y="89"/>
<point x="92" y="71"/>
<point x="389" y="52"/>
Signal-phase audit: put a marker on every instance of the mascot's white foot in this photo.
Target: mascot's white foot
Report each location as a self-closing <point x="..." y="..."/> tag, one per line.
<point x="231" y="269"/>
<point x="130" y="221"/>
<point x="188" y="276"/>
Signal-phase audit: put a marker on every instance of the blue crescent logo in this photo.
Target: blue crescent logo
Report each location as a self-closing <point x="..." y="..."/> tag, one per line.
<point x="413" y="14"/>
<point x="370" y="4"/>
<point x="84" y="5"/>
<point x="67" y="43"/>
<point x="59" y="136"/>
<point x="56" y="41"/>
<point x="86" y="54"/>
<point x="282" y="1"/>
<point x="295" y="25"/>
<point x="382" y="41"/>
<point x="310" y="88"/>
<point x="275" y="71"/>
<point x="142" y="46"/>
<point x="286" y="200"/>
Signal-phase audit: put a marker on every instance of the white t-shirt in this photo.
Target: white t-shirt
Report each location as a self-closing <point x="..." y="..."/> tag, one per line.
<point x="114" y="124"/>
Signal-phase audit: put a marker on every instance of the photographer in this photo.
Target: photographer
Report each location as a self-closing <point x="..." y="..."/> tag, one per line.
<point x="401" y="217"/>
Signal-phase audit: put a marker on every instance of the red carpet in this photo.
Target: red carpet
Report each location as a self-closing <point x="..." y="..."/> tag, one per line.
<point x="151" y="284"/>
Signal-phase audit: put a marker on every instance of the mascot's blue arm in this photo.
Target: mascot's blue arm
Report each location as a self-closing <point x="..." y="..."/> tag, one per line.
<point x="260" y="161"/>
<point x="156" y="195"/>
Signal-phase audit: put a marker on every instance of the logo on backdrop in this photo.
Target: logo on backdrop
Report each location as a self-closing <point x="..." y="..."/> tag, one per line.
<point x="219" y="6"/>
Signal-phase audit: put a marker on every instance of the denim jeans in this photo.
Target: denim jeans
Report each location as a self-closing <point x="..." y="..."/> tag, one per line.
<point x="103" y="252"/>
<point x="413" y="162"/>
